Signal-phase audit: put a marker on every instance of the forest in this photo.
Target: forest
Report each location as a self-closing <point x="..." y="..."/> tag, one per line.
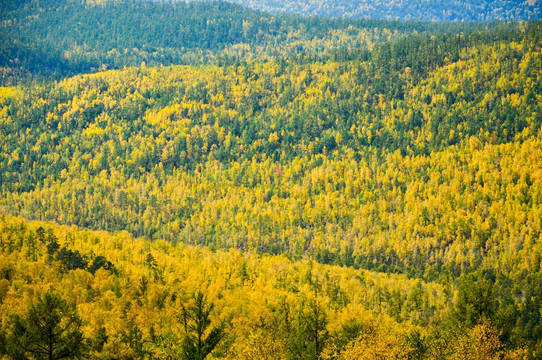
<point x="444" y="10"/>
<point x="108" y="296"/>
<point x="53" y="39"/>
<point x="204" y="181"/>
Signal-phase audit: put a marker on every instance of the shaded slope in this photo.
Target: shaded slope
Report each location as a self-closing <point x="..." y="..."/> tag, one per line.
<point x="447" y="10"/>
<point x="56" y="38"/>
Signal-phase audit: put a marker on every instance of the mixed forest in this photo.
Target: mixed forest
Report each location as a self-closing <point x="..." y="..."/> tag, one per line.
<point x="201" y="180"/>
<point x="58" y="38"/>
<point x="443" y="10"/>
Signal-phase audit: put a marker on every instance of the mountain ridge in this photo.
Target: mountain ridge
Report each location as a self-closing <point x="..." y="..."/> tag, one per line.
<point x="448" y="10"/>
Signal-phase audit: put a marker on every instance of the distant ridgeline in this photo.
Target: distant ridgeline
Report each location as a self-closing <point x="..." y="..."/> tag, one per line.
<point x="442" y="10"/>
<point x="58" y="38"/>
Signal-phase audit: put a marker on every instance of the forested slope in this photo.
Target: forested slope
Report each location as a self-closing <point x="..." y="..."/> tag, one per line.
<point x="131" y="297"/>
<point x="335" y="188"/>
<point x="166" y="152"/>
<point x="444" y="10"/>
<point x="420" y="157"/>
<point x="56" y="38"/>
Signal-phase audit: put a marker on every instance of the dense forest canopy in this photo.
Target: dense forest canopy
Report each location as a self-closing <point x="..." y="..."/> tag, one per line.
<point x="66" y="37"/>
<point x="272" y="126"/>
<point x="420" y="156"/>
<point x="443" y="10"/>
<point x="236" y="184"/>
<point x="131" y="297"/>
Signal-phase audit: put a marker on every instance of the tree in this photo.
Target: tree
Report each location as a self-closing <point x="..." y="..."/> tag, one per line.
<point x="378" y="346"/>
<point x="100" y="262"/>
<point x="71" y="259"/>
<point x="310" y="334"/>
<point x="196" y="320"/>
<point x="475" y="301"/>
<point x="479" y="343"/>
<point x="49" y="330"/>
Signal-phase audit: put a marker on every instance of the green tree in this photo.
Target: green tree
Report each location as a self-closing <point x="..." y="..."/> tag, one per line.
<point x="475" y="301"/>
<point x="100" y="262"/>
<point x="50" y="330"/>
<point x="200" y="341"/>
<point x="310" y="333"/>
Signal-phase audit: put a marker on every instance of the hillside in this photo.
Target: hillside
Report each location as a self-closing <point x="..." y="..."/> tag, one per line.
<point x="59" y="38"/>
<point x="130" y="295"/>
<point x="421" y="156"/>
<point x="202" y="180"/>
<point x="307" y="148"/>
<point x="445" y="10"/>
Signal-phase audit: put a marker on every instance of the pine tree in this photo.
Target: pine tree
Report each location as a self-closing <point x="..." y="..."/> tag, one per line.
<point x="199" y="341"/>
<point x="49" y="330"/>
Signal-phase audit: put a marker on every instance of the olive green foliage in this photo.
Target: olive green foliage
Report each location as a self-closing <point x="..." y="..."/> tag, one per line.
<point x="309" y="332"/>
<point x="200" y="341"/>
<point x="50" y="330"/>
<point x="444" y="10"/>
<point x="57" y="38"/>
<point x="332" y="189"/>
<point x="476" y="301"/>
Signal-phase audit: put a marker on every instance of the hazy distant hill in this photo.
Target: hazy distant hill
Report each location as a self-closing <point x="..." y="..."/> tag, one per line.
<point x="446" y="10"/>
<point x="66" y="37"/>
